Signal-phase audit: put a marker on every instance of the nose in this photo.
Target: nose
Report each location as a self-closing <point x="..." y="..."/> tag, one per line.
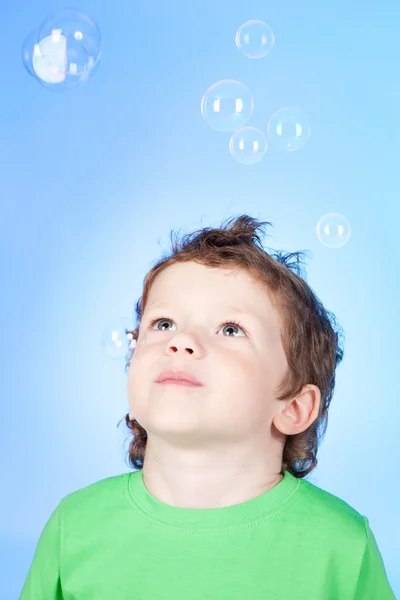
<point x="176" y="349"/>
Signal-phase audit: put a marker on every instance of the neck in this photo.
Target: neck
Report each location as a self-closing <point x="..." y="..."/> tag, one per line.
<point x="195" y="482"/>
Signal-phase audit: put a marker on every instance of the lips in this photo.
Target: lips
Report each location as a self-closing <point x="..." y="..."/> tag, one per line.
<point x="178" y="376"/>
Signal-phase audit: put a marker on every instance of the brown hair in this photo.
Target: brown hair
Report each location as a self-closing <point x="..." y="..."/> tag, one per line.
<point x="310" y="336"/>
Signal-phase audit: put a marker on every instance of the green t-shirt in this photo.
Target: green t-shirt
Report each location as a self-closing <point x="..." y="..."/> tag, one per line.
<point x="112" y="540"/>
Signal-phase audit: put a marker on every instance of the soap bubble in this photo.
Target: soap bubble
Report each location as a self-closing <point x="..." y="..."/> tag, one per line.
<point x="248" y="145"/>
<point x="54" y="62"/>
<point x="65" y="51"/>
<point x="227" y="105"/>
<point x="288" y="129"/>
<point x="333" y="230"/>
<point x="115" y="340"/>
<point x="255" y="39"/>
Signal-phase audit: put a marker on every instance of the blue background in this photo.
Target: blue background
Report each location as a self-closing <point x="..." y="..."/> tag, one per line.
<point x="93" y="180"/>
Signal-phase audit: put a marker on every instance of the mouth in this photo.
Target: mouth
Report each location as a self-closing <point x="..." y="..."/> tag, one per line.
<point x="178" y="382"/>
<point x="178" y="377"/>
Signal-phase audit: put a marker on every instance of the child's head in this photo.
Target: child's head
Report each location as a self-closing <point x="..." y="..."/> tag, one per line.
<point x="269" y="380"/>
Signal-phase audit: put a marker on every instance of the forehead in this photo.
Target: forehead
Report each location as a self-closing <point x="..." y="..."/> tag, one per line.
<point x="192" y="277"/>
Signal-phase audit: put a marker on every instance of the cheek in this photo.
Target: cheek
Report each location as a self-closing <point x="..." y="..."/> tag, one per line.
<point x="138" y="392"/>
<point x="137" y="377"/>
<point x="140" y="356"/>
<point x="244" y="365"/>
<point x="237" y="376"/>
<point x="248" y="376"/>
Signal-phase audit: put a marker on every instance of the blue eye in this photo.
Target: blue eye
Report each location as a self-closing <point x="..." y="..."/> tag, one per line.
<point x="230" y="322"/>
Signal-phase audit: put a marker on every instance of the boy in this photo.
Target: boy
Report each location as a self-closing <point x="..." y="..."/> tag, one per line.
<point x="218" y="506"/>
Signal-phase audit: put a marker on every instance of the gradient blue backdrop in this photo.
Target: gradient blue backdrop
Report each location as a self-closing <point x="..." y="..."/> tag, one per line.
<point x="93" y="180"/>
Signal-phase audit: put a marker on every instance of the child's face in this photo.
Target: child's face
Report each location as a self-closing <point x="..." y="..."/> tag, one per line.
<point x="239" y="372"/>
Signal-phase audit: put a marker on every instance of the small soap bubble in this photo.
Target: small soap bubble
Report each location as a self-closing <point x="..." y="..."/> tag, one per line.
<point x="288" y="129"/>
<point x="333" y="230"/>
<point x="227" y="105"/>
<point x="116" y="340"/>
<point x="248" y="145"/>
<point x="255" y="39"/>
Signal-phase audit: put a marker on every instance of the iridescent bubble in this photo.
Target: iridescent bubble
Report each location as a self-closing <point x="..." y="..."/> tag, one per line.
<point x="227" y="105"/>
<point x="248" y="145"/>
<point x="255" y="39"/>
<point x="58" y="63"/>
<point x="288" y="129"/>
<point x="115" y="340"/>
<point x="333" y="230"/>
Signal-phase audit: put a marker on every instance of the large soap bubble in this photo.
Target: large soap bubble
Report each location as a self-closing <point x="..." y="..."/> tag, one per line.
<point x="57" y="64"/>
<point x="65" y="51"/>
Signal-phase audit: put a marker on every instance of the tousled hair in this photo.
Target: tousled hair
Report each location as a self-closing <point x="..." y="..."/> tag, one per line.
<point x="310" y="335"/>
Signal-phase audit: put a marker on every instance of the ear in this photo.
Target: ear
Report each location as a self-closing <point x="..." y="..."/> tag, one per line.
<point x="300" y="412"/>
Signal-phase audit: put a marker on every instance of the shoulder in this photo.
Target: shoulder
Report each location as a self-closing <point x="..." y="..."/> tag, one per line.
<point x="96" y="497"/>
<point x="329" y="512"/>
